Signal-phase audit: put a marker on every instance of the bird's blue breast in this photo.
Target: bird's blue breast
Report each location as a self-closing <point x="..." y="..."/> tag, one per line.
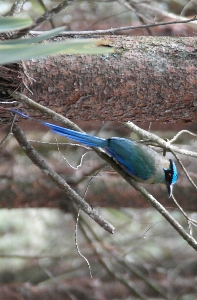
<point x="131" y="156"/>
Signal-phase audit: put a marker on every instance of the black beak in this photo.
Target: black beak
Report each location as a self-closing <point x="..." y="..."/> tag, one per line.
<point x="169" y="188"/>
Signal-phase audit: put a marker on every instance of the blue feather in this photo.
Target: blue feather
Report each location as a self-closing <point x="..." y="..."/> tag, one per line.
<point x="84" y="138"/>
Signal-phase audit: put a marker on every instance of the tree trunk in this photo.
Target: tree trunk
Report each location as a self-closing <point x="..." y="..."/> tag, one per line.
<point x="146" y="79"/>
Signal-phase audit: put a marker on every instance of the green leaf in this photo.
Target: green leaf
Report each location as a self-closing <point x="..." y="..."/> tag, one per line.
<point x="37" y="39"/>
<point x="14" y="23"/>
<point x="20" y="52"/>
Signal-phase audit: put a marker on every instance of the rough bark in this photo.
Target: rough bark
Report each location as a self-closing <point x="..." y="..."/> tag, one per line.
<point x="146" y="79"/>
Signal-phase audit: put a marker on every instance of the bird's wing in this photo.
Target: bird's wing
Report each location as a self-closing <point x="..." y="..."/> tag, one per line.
<point x="133" y="157"/>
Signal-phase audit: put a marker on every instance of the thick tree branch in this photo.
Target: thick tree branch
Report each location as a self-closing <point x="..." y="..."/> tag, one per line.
<point x="148" y="79"/>
<point x="123" y="28"/>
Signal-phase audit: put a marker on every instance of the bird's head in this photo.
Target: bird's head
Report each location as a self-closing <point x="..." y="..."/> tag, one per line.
<point x="171" y="176"/>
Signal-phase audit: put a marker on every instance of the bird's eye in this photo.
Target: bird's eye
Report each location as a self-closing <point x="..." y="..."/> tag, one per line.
<point x="168" y="176"/>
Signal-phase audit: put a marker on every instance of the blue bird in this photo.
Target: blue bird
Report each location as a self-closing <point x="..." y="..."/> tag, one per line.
<point x="142" y="163"/>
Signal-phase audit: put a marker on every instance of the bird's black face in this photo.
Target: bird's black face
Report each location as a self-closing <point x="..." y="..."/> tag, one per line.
<point x="171" y="176"/>
<point x="168" y="178"/>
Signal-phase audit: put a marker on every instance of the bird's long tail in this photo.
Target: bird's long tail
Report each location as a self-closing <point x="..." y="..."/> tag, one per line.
<point x="86" y="139"/>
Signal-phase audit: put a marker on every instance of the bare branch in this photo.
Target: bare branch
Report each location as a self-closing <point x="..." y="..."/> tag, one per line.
<point x="140" y="16"/>
<point x="41" y="2"/>
<point x="154" y="138"/>
<point x="185" y="171"/>
<point x="181" y="132"/>
<point x="8" y="133"/>
<point x="113" y="30"/>
<point x="189" y="220"/>
<point x="71" y="194"/>
<point x="76" y="243"/>
<point x="16" y="8"/>
<point x="45" y="17"/>
<point x="187" y="6"/>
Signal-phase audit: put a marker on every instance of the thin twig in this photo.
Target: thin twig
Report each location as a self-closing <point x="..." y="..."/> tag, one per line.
<point x="181" y="132"/>
<point x="76" y="243"/>
<point x="8" y="133"/>
<point x="139" y="15"/>
<point x="187" y="6"/>
<point x="113" y="30"/>
<point x="64" y="158"/>
<point x="77" y="222"/>
<point x="184" y="170"/>
<point x="159" y="141"/>
<point x="189" y="220"/>
<point x="42" y="4"/>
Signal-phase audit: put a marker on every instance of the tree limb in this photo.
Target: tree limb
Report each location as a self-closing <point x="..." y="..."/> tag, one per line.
<point x="70" y="193"/>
